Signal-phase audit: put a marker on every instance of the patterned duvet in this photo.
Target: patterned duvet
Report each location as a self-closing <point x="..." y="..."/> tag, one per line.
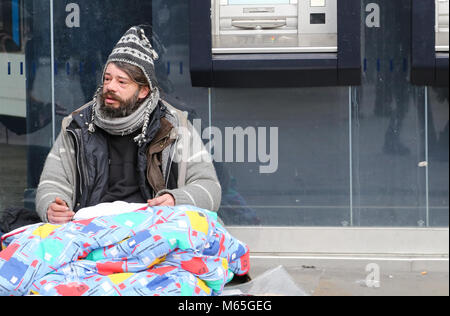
<point x="179" y="250"/>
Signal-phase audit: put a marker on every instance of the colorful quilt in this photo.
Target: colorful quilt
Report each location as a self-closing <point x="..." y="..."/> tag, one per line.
<point x="179" y="250"/>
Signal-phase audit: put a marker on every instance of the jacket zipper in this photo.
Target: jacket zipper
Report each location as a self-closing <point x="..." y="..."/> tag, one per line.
<point x="171" y="156"/>
<point x="78" y="155"/>
<point x="172" y="151"/>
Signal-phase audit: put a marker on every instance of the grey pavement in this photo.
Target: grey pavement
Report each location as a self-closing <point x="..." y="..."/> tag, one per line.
<point x="347" y="278"/>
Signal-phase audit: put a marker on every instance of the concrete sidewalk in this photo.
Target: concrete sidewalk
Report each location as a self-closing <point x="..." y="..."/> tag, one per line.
<point x="341" y="277"/>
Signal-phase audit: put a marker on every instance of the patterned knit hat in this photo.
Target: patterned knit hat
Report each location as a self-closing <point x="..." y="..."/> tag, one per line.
<point x="135" y="48"/>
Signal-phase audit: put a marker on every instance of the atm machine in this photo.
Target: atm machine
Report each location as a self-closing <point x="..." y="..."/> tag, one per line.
<point x="275" y="43"/>
<point x="430" y="42"/>
<point x="442" y="25"/>
<point x="285" y="26"/>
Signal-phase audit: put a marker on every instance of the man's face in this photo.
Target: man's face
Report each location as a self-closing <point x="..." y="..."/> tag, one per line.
<point x="120" y="93"/>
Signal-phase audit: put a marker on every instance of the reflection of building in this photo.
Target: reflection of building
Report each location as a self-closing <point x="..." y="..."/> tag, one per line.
<point x="12" y="66"/>
<point x="11" y="28"/>
<point x="12" y="88"/>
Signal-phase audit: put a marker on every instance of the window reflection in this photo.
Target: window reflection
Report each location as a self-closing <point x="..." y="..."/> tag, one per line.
<point x="13" y="112"/>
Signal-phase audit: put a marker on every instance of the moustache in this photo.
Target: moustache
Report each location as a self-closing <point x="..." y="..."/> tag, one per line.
<point x="112" y="96"/>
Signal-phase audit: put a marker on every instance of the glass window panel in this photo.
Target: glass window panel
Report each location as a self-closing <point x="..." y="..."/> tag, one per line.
<point x="308" y="184"/>
<point x="388" y="129"/>
<point x="171" y="32"/>
<point x="25" y="100"/>
<point x="438" y="152"/>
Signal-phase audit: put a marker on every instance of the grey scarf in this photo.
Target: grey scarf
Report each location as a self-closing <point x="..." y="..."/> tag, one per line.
<point x="129" y="124"/>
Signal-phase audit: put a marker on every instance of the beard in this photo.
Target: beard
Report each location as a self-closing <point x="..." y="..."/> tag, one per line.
<point x="126" y="108"/>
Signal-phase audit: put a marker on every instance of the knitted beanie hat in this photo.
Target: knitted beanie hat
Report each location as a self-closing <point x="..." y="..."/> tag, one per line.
<point x="135" y="48"/>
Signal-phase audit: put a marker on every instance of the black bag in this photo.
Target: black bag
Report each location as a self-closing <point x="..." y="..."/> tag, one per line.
<point x="13" y="218"/>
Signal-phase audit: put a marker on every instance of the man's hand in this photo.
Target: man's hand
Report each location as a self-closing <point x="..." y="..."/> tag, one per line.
<point x="58" y="212"/>
<point x="163" y="200"/>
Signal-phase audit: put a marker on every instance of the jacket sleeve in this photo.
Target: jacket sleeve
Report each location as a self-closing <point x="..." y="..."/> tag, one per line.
<point x="58" y="176"/>
<point x="200" y="186"/>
